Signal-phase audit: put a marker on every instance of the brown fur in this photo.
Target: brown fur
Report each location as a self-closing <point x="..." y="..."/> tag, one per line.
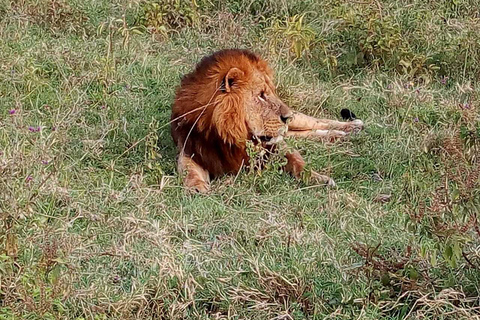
<point x="228" y="99"/>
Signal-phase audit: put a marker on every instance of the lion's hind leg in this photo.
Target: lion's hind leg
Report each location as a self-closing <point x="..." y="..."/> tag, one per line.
<point x="196" y="178"/>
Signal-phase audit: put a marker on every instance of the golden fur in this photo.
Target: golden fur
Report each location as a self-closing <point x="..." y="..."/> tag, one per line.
<point x="227" y="100"/>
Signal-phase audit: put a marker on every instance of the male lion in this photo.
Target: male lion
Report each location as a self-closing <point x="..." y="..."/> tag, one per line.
<point x="227" y="100"/>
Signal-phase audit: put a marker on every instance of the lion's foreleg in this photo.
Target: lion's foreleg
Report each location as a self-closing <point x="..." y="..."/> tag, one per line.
<point x="302" y="122"/>
<point x="329" y="135"/>
<point x="296" y="167"/>
<point x="196" y="178"/>
<point x="295" y="163"/>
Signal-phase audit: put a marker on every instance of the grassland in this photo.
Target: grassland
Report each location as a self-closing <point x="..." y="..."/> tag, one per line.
<point x="95" y="223"/>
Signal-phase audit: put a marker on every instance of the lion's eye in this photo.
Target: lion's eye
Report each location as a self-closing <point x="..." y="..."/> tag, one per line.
<point x="262" y="95"/>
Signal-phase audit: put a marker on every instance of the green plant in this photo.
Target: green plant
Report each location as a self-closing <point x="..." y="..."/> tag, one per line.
<point x="159" y="17"/>
<point x="152" y="153"/>
<point x="377" y="40"/>
<point x="451" y="214"/>
<point x="55" y="15"/>
<point x="292" y="32"/>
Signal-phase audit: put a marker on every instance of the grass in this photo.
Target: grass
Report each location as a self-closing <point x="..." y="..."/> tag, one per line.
<point x="95" y="223"/>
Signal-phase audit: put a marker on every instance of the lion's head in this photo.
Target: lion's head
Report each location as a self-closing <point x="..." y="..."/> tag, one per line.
<point x="250" y="87"/>
<point x="234" y="94"/>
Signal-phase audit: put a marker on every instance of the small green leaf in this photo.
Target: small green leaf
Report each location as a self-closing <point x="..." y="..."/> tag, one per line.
<point x="385" y="279"/>
<point x="433" y="258"/>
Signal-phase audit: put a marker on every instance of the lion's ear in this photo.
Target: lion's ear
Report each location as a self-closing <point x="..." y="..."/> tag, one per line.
<point x="233" y="76"/>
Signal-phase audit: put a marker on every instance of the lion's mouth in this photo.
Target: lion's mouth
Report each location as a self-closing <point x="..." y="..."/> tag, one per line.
<point x="269" y="140"/>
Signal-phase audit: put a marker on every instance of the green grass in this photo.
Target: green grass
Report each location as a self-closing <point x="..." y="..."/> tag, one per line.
<point x="95" y="223"/>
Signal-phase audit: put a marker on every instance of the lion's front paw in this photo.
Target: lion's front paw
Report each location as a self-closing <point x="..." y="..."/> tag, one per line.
<point x="197" y="185"/>
<point x="354" y="126"/>
<point x="202" y="188"/>
<point x="334" y="134"/>
<point x="322" y="179"/>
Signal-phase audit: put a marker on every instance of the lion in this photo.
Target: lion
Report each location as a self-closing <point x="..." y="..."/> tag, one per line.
<point x="228" y="100"/>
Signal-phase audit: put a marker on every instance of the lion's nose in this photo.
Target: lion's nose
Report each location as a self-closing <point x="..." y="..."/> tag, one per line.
<point x="286" y="117"/>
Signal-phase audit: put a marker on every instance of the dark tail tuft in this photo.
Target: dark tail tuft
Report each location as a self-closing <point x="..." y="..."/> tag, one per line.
<point x="347" y="115"/>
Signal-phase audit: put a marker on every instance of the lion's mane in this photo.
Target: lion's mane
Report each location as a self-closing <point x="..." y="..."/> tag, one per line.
<point x="210" y="127"/>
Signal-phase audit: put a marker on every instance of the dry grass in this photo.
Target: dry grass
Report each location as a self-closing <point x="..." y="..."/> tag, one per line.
<point x="95" y="224"/>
